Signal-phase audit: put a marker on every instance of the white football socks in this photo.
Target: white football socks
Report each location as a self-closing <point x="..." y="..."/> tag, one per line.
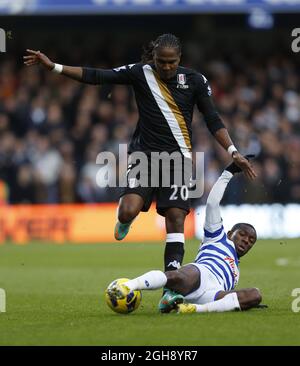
<point x="152" y="280"/>
<point x="227" y="303"/>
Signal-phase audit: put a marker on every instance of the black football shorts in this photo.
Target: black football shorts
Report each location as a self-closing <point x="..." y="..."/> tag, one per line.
<point x="162" y="180"/>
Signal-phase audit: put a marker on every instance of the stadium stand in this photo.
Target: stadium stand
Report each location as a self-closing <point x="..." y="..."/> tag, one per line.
<point x="51" y="128"/>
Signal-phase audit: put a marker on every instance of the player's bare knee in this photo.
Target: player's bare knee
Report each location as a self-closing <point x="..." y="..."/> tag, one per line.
<point x="249" y="298"/>
<point x="126" y="214"/>
<point x="175" y="280"/>
<point x="256" y="296"/>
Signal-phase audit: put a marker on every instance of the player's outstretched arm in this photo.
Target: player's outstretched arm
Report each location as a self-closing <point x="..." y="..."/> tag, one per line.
<point x="39" y="58"/>
<point x="213" y="219"/>
<point x="119" y="75"/>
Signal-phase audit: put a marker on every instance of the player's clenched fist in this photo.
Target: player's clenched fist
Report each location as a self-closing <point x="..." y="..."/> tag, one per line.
<point x="36" y="57"/>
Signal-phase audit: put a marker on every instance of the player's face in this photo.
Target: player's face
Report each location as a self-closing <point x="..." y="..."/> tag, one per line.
<point x="243" y="239"/>
<point x="166" y="61"/>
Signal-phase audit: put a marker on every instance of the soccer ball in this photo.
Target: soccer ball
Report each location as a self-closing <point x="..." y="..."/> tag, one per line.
<point x="123" y="306"/>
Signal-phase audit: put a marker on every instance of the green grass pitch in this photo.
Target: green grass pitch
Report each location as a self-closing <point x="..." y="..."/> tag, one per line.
<point x="55" y="297"/>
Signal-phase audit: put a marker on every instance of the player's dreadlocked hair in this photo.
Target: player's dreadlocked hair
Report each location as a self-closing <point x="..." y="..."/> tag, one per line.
<point x="165" y="40"/>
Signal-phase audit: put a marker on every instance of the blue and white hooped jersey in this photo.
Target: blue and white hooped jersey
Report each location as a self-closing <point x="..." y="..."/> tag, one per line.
<point x="217" y="253"/>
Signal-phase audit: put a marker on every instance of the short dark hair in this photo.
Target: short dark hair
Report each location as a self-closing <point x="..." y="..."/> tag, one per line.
<point x="165" y="40"/>
<point x="240" y="225"/>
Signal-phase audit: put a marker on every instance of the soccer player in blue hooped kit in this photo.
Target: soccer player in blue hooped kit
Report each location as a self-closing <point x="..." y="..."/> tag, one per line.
<point x="208" y="284"/>
<point x="166" y="95"/>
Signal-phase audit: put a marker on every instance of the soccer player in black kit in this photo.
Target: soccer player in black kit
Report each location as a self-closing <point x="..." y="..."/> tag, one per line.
<point x="166" y="94"/>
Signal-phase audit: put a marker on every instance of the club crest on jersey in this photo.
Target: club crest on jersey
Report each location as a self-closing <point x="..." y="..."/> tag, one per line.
<point x="181" y="80"/>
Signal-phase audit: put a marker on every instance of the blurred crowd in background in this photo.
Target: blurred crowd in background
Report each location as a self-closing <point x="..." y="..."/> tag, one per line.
<point x="52" y="128"/>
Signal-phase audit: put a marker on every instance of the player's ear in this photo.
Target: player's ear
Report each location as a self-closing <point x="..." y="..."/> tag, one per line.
<point x="229" y="234"/>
